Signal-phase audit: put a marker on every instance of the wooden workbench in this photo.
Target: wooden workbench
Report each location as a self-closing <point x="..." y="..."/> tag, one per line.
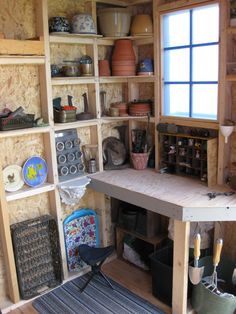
<point x="180" y="198"/>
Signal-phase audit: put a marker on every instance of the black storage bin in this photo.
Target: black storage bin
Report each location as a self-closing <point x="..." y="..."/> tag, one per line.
<point x="162" y="273"/>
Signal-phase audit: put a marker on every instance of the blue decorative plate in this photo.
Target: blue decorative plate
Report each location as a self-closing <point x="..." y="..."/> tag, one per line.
<point x="35" y="171"/>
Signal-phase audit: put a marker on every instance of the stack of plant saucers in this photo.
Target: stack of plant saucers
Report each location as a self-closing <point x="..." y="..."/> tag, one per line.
<point x="123" y="58"/>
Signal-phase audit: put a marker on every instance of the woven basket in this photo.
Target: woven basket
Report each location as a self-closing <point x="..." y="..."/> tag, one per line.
<point x="140" y="160"/>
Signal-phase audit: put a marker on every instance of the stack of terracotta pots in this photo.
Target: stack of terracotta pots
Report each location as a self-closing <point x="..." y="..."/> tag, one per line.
<point x="123" y="58"/>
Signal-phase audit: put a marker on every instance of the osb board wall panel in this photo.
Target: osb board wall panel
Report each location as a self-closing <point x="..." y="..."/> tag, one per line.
<point x="84" y="135"/>
<point x="19" y="86"/>
<point x="76" y="92"/>
<point x="114" y="93"/>
<point x="108" y="129"/>
<point x="29" y="208"/>
<point x="17" y="18"/>
<point x="85" y="202"/>
<point x="232" y="91"/>
<point x="66" y="8"/>
<point x="60" y="53"/>
<point x="145" y="51"/>
<point x="146" y="91"/>
<point x="104" y="52"/>
<point x="18" y="149"/>
<point x="142" y="9"/>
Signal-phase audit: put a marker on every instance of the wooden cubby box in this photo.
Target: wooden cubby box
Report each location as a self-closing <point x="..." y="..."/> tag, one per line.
<point x="189" y="156"/>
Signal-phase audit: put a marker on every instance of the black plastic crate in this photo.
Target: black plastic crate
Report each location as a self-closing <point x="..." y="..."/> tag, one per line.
<point x="17" y="123"/>
<point x="37" y="255"/>
<point x="162" y="274"/>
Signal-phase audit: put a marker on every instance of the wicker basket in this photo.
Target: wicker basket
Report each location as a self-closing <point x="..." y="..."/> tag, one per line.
<point x="17" y="123"/>
<point x="37" y="255"/>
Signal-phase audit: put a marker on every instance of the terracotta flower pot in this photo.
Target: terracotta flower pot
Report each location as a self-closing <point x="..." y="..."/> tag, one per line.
<point x="140" y="160"/>
<point x="123" y="50"/>
<point x="104" y="68"/>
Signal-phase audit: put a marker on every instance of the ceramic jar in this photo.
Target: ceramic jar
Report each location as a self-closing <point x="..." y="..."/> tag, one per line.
<point x="59" y="24"/>
<point x="141" y="25"/>
<point x="83" y="24"/>
<point x="114" y="22"/>
<point x="145" y="67"/>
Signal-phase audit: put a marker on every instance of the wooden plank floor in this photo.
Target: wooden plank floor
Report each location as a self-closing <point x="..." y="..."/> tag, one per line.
<point x="127" y="275"/>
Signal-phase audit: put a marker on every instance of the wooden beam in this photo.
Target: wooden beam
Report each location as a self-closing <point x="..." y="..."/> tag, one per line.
<point x="180" y="267"/>
<point x="177" y="4"/>
<point x="5" y="236"/>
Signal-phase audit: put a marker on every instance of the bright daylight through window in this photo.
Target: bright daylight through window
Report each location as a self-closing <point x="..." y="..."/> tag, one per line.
<point x="191" y="53"/>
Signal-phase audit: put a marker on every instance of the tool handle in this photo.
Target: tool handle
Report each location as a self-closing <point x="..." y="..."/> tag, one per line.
<point x="197" y="245"/>
<point x="217" y="251"/>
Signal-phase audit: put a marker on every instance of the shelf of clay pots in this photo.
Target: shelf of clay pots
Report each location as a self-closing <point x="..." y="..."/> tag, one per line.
<point x="27" y="191"/>
<point x="11" y="60"/>
<point x="75" y="124"/>
<point x="87" y="39"/>
<point x="73" y="80"/>
<point x="20" y="132"/>
<point x="138" y="40"/>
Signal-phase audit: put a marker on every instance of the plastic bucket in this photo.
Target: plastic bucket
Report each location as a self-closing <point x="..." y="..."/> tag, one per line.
<point x="204" y="301"/>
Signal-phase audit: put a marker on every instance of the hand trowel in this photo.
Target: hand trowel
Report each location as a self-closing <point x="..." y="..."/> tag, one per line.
<point x="195" y="272"/>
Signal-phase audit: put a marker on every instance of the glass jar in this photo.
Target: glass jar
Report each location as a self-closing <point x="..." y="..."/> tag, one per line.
<point x="70" y="68"/>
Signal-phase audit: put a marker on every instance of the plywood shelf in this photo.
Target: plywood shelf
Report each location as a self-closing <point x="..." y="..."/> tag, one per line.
<point x="126" y="79"/>
<point x="21" y="47"/>
<point x="113" y="119"/>
<point x="138" y="40"/>
<point x="76" y="124"/>
<point x="28" y="192"/>
<point x="73" y="80"/>
<point x="73" y="38"/>
<point x="10" y="60"/>
<point x="21" y="132"/>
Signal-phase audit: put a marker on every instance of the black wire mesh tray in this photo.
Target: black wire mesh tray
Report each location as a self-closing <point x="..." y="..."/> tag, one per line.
<point x="37" y="255"/>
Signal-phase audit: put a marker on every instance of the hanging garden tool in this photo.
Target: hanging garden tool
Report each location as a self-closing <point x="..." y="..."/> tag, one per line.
<point x="212" y="286"/>
<point x="195" y="272"/>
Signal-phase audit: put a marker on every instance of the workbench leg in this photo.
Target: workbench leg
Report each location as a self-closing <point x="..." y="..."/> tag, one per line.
<point x="180" y="267"/>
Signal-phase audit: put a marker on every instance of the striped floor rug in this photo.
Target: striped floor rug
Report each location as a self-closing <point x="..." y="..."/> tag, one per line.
<point x="97" y="298"/>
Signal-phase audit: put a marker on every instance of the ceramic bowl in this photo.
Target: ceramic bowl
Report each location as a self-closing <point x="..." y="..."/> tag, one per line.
<point x="59" y="24"/>
<point x="141" y="25"/>
<point x="114" y="22"/>
<point x="83" y="24"/>
<point x="55" y="70"/>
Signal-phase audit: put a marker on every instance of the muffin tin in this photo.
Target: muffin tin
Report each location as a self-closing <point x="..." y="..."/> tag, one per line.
<point x="69" y="155"/>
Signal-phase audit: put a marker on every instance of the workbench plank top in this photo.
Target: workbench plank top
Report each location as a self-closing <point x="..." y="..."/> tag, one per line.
<point x="174" y="196"/>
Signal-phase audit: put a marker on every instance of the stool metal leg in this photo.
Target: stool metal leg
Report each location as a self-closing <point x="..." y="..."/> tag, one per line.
<point x="88" y="281"/>
<point x="106" y="279"/>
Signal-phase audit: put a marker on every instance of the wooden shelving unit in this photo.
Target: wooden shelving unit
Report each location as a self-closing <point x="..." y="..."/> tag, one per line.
<point x="41" y="54"/>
